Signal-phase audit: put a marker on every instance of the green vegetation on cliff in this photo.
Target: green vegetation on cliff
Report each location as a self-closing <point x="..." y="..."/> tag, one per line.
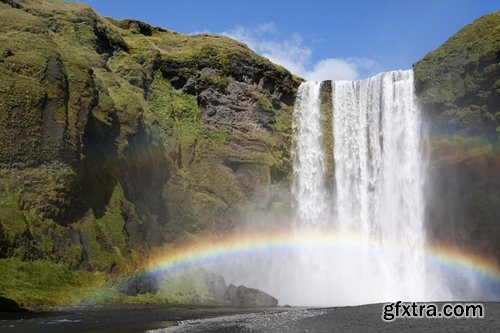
<point x="44" y="282"/>
<point x="459" y="83"/>
<point x="116" y="136"/>
<point x="458" y="86"/>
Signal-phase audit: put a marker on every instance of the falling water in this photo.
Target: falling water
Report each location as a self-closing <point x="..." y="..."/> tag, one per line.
<point x="379" y="172"/>
<point x="308" y="156"/>
<point x="378" y="184"/>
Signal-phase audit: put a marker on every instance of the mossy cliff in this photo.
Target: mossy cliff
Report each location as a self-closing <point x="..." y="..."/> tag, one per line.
<point x="458" y="86"/>
<point x="116" y="136"/>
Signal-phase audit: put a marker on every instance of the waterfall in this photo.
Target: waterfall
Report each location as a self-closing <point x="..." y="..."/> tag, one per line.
<point x="358" y="235"/>
<point x="378" y="183"/>
<point x="379" y="172"/>
<point x="308" y="156"/>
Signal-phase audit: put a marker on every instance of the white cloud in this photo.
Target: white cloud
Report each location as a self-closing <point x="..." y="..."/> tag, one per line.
<point x="268" y="27"/>
<point x="295" y="55"/>
<point x="332" y="68"/>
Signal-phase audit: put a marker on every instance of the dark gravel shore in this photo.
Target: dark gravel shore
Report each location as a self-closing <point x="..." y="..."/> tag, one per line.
<point x="164" y="319"/>
<point x="367" y="318"/>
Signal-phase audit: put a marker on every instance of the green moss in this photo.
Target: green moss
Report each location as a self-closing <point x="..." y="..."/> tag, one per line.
<point x="189" y="286"/>
<point x="283" y="125"/>
<point x="101" y="255"/>
<point x="187" y="47"/>
<point x="266" y="105"/>
<point x="467" y="143"/>
<point x="105" y="236"/>
<point x="217" y="81"/>
<point x="40" y="232"/>
<point x="50" y="240"/>
<point x="217" y="52"/>
<point x="124" y="65"/>
<point x="270" y="141"/>
<point x="19" y="91"/>
<point x="45" y="190"/>
<point x="461" y="74"/>
<point x="111" y="295"/>
<point x="12" y="222"/>
<point x="112" y="224"/>
<point x="203" y="199"/>
<point x="326" y="108"/>
<point x="11" y="219"/>
<point x="178" y="113"/>
<point x="212" y="177"/>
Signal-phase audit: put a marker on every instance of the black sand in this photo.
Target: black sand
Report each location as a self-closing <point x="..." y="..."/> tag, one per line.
<point x="367" y="318"/>
<point x="130" y="319"/>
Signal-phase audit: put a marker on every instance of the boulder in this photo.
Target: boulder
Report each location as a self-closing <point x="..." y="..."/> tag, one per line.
<point x="139" y="285"/>
<point x="9" y="305"/>
<point x="243" y="296"/>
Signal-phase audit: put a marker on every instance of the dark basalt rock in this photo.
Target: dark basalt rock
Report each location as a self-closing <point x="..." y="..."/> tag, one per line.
<point x="9" y="305"/>
<point x="243" y="296"/>
<point x="139" y="285"/>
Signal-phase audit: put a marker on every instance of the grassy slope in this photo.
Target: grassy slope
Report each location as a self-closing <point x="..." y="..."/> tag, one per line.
<point x="459" y="82"/>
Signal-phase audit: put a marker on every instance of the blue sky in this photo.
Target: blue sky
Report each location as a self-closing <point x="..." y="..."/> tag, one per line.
<point x="316" y="39"/>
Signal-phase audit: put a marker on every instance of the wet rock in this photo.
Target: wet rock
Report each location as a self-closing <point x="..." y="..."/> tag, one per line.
<point x="243" y="296"/>
<point x="145" y="284"/>
<point x="9" y="305"/>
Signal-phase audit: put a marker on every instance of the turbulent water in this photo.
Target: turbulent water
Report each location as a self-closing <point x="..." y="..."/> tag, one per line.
<point x="377" y="185"/>
<point x="309" y="156"/>
<point x="379" y="164"/>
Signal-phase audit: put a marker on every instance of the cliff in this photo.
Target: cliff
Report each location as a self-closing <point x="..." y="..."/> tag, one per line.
<point x="116" y="136"/>
<point x="458" y="86"/>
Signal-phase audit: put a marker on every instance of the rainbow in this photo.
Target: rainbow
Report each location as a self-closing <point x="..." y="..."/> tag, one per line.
<point x="244" y="242"/>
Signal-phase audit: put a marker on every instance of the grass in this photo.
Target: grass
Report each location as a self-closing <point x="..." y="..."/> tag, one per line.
<point x="266" y="105"/>
<point x="456" y="82"/>
<point x="177" y="113"/>
<point x="18" y="20"/>
<point x="45" y="283"/>
<point x="181" y="47"/>
<point x="12" y="220"/>
<point x="49" y="284"/>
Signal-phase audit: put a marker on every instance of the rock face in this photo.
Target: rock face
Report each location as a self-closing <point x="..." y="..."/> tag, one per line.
<point x="459" y="88"/>
<point x="116" y="136"/>
<point x="195" y="285"/>
<point x="243" y="296"/>
<point x="192" y="285"/>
